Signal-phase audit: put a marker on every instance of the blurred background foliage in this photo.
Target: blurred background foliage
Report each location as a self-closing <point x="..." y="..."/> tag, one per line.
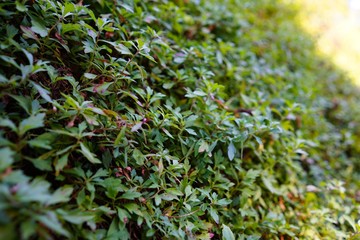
<point x="336" y="26"/>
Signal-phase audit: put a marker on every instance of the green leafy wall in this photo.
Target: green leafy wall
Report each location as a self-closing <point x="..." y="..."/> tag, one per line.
<point x="175" y="119"/>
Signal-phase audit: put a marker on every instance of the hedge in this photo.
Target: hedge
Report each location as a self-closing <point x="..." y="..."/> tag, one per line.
<point x="172" y="119"/>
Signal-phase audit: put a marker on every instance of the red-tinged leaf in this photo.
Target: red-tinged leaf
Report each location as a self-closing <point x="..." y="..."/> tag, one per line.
<point x="28" y="33"/>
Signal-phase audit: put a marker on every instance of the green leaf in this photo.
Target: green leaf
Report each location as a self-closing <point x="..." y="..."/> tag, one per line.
<point x="39" y="143"/>
<point x="180" y="57"/>
<point x="51" y="221"/>
<point x="250" y="176"/>
<point x="231" y="151"/>
<point x="121" y="48"/>
<point x="67" y="27"/>
<point x="350" y="221"/>
<point x="168" y="197"/>
<point x="90" y="75"/>
<point x="138" y="156"/>
<point x="43" y="141"/>
<point x="204" y="146"/>
<point x="120" y="136"/>
<point x="10" y="60"/>
<point x="227" y="234"/>
<point x="20" y="6"/>
<point x="223" y="202"/>
<point x="6" y="158"/>
<point x="167" y="133"/>
<point x="24" y="102"/>
<point x="39" y="28"/>
<point x="36" y="191"/>
<point x="61" y="163"/>
<point x="191" y="131"/>
<point x="130" y="195"/>
<point x="29" y="56"/>
<point x="43" y="164"/>
<point x="61" y="195"/>
<point x="137" y="126"/>
<point x="4" y="122"/>
<point x="99" y="88"/>
<point x="214" y="215"/>
<point x="89" y="155"/>
<point x="122" y="214"/>
<point x="268" y="181"/>
<point x="196" y="93"/>
<point x="76" y="216"/>
<point x="28" y="33"/>
<point x="133" y="208"/>
<point x="89" y="46"/>
<point x="150" y="232"/>
<point x="28" y="228"/>
<point x="33" y="122"/>
<point x="3" y="79"/>
<point x="157" y="200"/>
<point x="128" y="7"/>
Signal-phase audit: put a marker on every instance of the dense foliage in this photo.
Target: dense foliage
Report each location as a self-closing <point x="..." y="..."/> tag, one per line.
<point x="183" y="119"/>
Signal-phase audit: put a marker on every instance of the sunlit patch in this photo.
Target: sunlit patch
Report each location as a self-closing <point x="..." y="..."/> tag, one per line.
<point x="336" y="25"/>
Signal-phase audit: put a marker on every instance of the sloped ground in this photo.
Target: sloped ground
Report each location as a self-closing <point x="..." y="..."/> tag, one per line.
<point x="172" y="120"/>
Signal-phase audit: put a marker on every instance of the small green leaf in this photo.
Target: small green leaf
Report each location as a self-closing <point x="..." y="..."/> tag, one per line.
<point x="167" y="133"/>
<point x="136" y="127"/>
<point x="43" y="92"/>
<point x="89" y="46"/>
<point x="130" y="195"/>
<point x="150" y="232"/>
<point x="51" y="221"/>
<point x="33" y="122"/>
<point x="61" y="195"/>
<point x="8" y="123"/>
<point x="122" y="49"/>
<point x="28" y="228"/>
<point x="223" y="202"/>
<point x="89" y="155"/>
<point x="120" y="136"/>
<point x="214" y="215"/>
<point x="268" y="181"/>
<point x="138" y="156"/>
<point x="39" y="28"/>
<point x="157" y="200"/>
<point x="76" y="216"/>
<point x="90" y="75"/>
<point x="350" y="221"/>
<point x="168" y="197"/>
<point x="227" y="234"/>
<point x="191" y="131"/>
<point x="231" y="151"/>
<point x="24" y="102"/>
<point x="61" y="163"/>
<point x="204" y="146"/>
<point x="100" y="88"/>
<point x="6" y="158"/>
<point x="20" y="6"/>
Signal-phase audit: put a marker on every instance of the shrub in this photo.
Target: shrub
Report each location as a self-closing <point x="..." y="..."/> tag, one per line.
<point x="172" y="120"/>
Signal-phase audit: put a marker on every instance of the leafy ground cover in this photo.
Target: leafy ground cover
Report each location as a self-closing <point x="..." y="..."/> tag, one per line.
<point x="172" y="120"/>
